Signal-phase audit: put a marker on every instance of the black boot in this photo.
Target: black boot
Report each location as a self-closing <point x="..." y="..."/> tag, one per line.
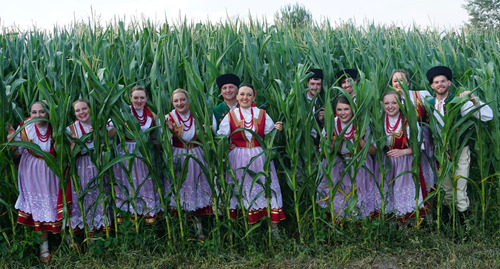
<point x="445" y="214"/>
<point x="461" y="216"/>
<point x="463" y="229"/>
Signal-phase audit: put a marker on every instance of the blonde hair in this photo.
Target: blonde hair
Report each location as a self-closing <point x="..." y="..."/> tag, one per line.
<point x="179" y="90"/>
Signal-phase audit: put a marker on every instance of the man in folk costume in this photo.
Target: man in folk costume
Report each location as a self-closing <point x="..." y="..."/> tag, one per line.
<point x="314" y="94"/>
<point x="228" y="85"/>
<point x="440" y="81"/>
<point x="346" y="78"/>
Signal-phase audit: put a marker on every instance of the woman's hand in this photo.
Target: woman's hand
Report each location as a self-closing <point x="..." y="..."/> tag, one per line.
<point x="396" y="153"/>
<point x="11" y="132"/>
<point x="278" y="125"/>
<point x="321" y="115"/>
<point x="10" y="135"/>
<point x="169" y="123"/>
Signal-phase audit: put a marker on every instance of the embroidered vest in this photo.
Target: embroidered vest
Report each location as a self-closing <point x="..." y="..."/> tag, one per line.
<point x="419" y="107"/>
<point x="26" y="138"/>
<point x="399" y="140"/>
<point x="177" y="140"/>
<point x="153" y="123"/>
<point x="220" y="111"/>
<point x="239" y="138"/>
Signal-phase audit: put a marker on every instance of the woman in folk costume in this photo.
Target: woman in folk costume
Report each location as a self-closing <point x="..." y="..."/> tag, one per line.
<point x="364" y="184"/>
<point x="38" y="186"/>
<point x="93" y="211"/>
<point x="403" y="189"/>
<point x="195" y="193"/>
<point x="247" y="147"/>
<point x="147" y="198"/>
<point x="399" y="78"/>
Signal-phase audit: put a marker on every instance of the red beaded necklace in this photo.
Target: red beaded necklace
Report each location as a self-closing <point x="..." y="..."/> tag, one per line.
<point x="391" y="129"/>
<point x="44" y="137"/>
<point x="142" y="119"/>
<point x="185" y="122"/>
<point x="247" y="125"/>
<point x="83" y="132"/>
<point x="349" y="134"/>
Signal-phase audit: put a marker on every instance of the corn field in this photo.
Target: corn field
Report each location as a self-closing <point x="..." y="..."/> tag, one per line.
<point x="102" y="63"/>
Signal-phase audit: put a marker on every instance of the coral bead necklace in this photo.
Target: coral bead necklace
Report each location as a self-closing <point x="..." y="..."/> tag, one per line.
<point x="187" y="123"/>
<point x="249" y="124"/>
<point x="391" y="129"/>
<point x="43" y="137"/>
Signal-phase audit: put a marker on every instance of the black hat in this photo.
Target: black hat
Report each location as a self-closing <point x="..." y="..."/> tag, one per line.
<point x="437" y="71"/>
<point x="227" y="79"/>
<point x="352" y="73"/>
<point x="317" y="73"/>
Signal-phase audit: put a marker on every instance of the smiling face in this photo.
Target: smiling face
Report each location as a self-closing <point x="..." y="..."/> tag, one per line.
<point x="245" y="97"/>
<point x="82" y="111"/>
<point x="344" y="112"/>
<point x="441" y="85"/>
<point x="138" y="99"/>
<point x="314" y="85"/>
<point x="180" y="102"/>
<point x="391" y="106"/>
<point x="346" y="84"/>
<point x="229" y="91"/>
<point x="37" y="111"/>
<point x="398" y="78"/>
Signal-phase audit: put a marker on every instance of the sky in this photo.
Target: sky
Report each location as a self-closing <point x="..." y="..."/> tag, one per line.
<point x="26" y="14"/>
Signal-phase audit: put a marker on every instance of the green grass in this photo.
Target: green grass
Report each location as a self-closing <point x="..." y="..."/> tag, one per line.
<point x="401" y="247"/>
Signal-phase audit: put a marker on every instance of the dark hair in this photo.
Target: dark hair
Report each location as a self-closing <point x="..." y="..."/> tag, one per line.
<point x="42" y="103"/>
<point x="249" y="86"/>
<point x="399" y="97"/>
<point x="342" y="100"/>
<point x="44" y="106"/>
<point x="80" y="101"/>
<point x="138" y="88"/>
<point x="402" y="71"/>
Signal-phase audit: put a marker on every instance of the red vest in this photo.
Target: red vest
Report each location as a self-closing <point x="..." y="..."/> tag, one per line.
<point x="239" y="138"/>
<point x="177" y="139"/>
<point x="419" y="107"/>
<point x="399" y="140"/>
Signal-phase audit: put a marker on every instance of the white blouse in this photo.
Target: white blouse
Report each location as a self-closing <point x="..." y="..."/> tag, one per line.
<point x="225" y="128"/>
<point x="87" y="128"/>
<point x="344" y="149"/>
<point x="140" y="112"/>
<point x="186" y="135"/>
<point x="30" y="130"/>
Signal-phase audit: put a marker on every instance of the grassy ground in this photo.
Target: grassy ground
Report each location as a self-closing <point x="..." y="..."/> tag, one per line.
<point x="364" y="245"/>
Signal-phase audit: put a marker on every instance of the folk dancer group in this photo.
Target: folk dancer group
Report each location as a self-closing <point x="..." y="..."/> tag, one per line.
<point x="40" y="204"/>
